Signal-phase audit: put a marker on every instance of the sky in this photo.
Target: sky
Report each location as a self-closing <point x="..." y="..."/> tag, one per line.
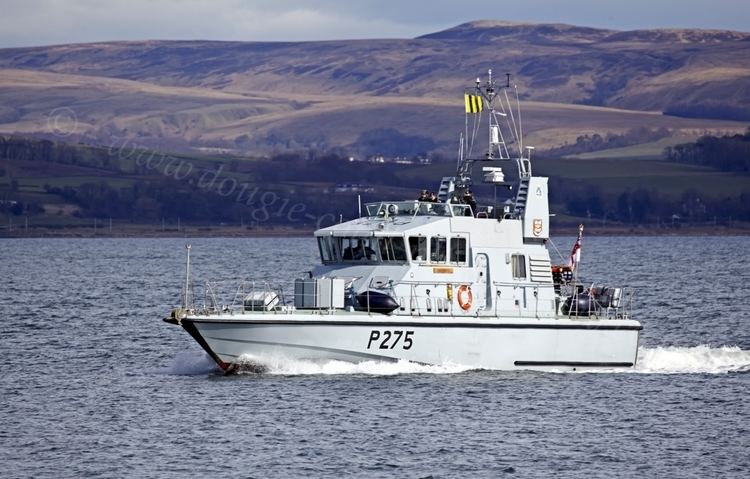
<point x="45" y="22"/>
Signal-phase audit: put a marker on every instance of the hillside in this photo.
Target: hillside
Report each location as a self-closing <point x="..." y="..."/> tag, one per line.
<point x="251" y="96"/>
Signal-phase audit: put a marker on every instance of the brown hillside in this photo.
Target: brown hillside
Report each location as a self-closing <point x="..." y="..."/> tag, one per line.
<point x="250" y="95"/>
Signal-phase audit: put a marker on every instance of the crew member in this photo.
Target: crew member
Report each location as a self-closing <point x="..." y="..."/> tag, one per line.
<point x="469" y="200"/>
<point x="363" y="252"/>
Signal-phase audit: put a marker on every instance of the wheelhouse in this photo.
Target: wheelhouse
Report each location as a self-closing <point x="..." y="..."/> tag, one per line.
<point x="394" y="249"/>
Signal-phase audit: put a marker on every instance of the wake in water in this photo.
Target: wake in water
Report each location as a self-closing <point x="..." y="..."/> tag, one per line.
<point x="195" y="364"/>
<point x="697" y="359"/>
<point x="189" y="363"/>
<point x="660" y="360"/>
<point x="284" y="366"/>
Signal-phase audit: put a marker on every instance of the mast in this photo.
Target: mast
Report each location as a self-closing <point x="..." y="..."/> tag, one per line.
<point x="496" y="146"/>
<point x="493" y="128"/>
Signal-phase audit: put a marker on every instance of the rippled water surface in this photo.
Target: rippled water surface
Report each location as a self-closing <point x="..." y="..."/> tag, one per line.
<point x="95" y="384"/>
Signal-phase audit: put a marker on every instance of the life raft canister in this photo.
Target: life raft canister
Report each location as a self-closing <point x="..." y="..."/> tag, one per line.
<point x="464" y="297"/>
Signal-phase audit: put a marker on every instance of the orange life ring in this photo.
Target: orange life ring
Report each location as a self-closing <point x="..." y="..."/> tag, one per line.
<point x="464" y="297"/>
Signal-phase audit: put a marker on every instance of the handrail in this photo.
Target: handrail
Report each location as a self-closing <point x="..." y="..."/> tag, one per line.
<point x="414" y="208"/>
<point x="594" y="307"/>
<point x="268" y="296"/>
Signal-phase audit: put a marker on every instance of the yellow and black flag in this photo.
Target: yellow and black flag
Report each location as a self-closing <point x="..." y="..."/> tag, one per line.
<point x="474" y="103"/>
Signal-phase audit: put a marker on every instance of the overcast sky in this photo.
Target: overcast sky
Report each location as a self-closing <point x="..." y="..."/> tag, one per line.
<point x="44" y="22"/>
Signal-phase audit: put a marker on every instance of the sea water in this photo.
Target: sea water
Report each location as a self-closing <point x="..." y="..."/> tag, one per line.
<point x="93" y="383"/>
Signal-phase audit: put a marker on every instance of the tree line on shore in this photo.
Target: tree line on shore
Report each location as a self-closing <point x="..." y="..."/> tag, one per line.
<point x="300" y="188"/>
<point x="726" y="153"/>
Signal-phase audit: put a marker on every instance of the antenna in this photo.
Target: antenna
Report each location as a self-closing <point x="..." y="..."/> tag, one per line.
<point x="494" y="129"/>
<point x="460" y="150"/>
<point x="520" y="124"/>
<point x="187" y="276"/>
<point x="512" y="124"/>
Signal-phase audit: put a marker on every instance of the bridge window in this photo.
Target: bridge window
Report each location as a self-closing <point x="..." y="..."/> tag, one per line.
<point x="418" y="248"/>
<point x="346" y="249"/>
<point x="458" y="250"/>
<point x="438" y="251"/>
<point x="324" y="244"/>
<point x="392" y="248"/>
<point x="358" y="249"/>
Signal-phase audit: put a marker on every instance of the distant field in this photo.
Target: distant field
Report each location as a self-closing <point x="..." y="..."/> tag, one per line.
<point x="37" y="183"/>
<point x="670" y="179"/>
<point x="617" y="175"/>
<point x="653" y="150"/>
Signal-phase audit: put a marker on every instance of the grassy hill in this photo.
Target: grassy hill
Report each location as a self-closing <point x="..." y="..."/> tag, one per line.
<point x="253" y="96"/>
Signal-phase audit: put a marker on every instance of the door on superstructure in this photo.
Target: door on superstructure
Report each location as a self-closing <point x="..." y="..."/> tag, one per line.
<point x="482" y="282"/>
<point x="522" y="292"/>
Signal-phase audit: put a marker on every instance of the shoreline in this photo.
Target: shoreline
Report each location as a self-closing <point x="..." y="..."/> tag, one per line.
<point x="148" y="231"/>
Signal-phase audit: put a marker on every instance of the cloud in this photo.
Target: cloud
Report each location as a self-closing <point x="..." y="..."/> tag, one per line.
<point x="308" y="24"/>
<point x="38" y="22"/>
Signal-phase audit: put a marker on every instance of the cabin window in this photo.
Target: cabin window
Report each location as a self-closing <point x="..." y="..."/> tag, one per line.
<point x="392" y="248"/>
<point x="518" y="264"/>
<point x="357" y="248"/>
<point x="438" y="250"/>
<point x="324" y="245"/>
<point x="418" y="248"/>
<point x="335" y="245"/>
<point x="458" y="250"/>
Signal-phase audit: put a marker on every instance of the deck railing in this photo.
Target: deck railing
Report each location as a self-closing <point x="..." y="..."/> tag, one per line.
<point x="574" y="300"/>
<point x="596" y="301"/>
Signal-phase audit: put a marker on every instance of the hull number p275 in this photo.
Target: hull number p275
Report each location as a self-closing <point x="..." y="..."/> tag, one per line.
<point x="390" y="339"/>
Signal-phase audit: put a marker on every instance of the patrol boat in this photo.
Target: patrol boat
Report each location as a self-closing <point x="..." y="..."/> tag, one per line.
<point x="435" y="281"/>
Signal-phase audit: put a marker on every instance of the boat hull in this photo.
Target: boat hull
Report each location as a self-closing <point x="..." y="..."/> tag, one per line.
<point x="508" y="344"/>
